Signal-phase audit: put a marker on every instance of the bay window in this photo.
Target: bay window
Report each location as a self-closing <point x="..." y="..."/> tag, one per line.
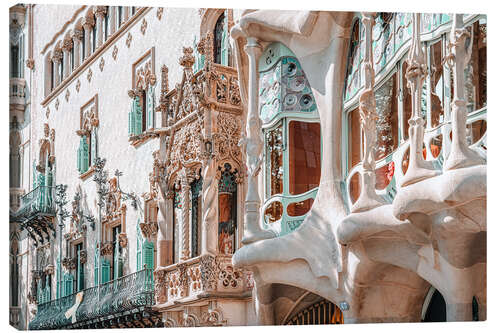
<point x="292" y="139"/>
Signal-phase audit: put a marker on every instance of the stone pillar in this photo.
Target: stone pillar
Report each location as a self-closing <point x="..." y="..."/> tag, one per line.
<point x="67" y="46"/>
<point x="126" y="10"/>
<point x="112" y="19"/>
<point x="56" y="62"/>
<point x="77" y="39"/>
<point x="185" y="189"/>
<point x="418" y="169"/>
<point x="100" y="12"/>
<point x="253" y="145"/>
<point x="209" y="207"/>
<point x="461" y="155"/>
<point x="368" y="199"/>
<point x="88" y="23"/>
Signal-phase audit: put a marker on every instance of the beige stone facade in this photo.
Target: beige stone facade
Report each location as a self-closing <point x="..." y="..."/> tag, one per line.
<point x="271" y="168"/>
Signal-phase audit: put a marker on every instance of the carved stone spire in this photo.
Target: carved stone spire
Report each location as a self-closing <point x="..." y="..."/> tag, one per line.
<point x="368" y="199"/>
<point x="418" y="169"/>
<point x="461" y="155"/>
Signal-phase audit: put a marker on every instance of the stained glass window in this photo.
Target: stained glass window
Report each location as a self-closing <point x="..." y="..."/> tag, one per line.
<point x="227" y="210"/>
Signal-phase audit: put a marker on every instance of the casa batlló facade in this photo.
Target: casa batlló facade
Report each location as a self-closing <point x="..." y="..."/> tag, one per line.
<point x="217" y="167"/>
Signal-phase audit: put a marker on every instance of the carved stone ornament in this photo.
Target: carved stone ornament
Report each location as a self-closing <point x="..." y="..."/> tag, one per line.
<point x="69" y="263"/>
<point x="122" y="239"/>
<point x="83" y="257"/>
<point x="227" y="137"/>
<point x="101" y="64"/>
<point x="107" y="249"/>
<point x="30" y="63"/>
<point x="159" y="13"/>
<point x="161" y="281"/>
<point x="128" y="40"/>
<point x="187" y="59"/>
<point x="89" y="75"/>
<point x="209" y="272"/>
<point x="57" y="104"/>
<point x="144" y="26"/>
<point x="149" y="229"/>
<point x="66" y="96"/>
<point x="213" y="317"/>
<point x="115" y="52"/>
<point x="47" y="112"/>
<point x="78" y="85"/>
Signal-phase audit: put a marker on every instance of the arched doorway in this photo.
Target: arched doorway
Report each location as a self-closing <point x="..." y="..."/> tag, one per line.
<point x="434" y="309"/>
<point x="319" y="313"/>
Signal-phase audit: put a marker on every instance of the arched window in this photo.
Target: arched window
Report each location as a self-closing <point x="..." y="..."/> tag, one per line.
<point x="106" y="24"/>
<point x="227" y="210"/>
<point x="176" y="224"/>
<point x="292" y="139"/>
<point x="221" y="43"/>
<point x="196" y="216"/>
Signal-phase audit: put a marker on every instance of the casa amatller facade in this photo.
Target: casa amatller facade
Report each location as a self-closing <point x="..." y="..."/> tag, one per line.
<point x="217" y="167"/>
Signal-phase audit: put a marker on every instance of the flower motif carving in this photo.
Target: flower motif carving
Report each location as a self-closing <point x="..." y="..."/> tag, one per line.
<point x="30" y="63"/>
<point x="159" y="13"/>
<point x="78" y="85"/>
<point x="115" y="52"/>
<point x="227" y="137"/>
<point x="144" y="26"/>
<point x="57" y="104"/>
<point x="47" y="113"/>
<point x="128" y="40"/>
<point x="66" y="96"/>
<point x="89" y="75"/>
<point x="101" y="64"/>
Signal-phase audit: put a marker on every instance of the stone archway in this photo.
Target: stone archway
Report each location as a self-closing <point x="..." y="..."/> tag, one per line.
<point x="434" y="308"/>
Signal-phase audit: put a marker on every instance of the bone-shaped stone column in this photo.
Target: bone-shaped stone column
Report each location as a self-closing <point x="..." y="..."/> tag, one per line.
<point x="368" y="199"/>
<point x="418" y="169"/>
<point x="253" y="145"/>
<point x="461" y="155"/>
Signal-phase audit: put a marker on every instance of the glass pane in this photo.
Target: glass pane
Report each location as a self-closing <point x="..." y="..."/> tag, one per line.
<point x="226" y="225"/>
<point x="274" y="150"/>
<point x="475" y="72"/>
<point x="437" y="87"/>
<point x="406" y="161"/>
<point x="273" y="212"/>
<point x="354" y="187"/>
<point x="305" y="156"/>
<point x="383" y="176"/>
<point x="387" y="122"/>
<point x="436" y="144"/>
<point x="476" y="130"/>
<point x="299" y="208"/>
<point x="355" y="141"/>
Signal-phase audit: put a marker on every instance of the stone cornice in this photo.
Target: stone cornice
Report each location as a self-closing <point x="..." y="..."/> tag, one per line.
<point x="99" y="52"/>
<point x="54" y="38"/>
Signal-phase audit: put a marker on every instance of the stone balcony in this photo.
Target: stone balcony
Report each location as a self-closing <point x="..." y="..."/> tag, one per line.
<point x="200" y="278"/>
<point x="17" y="93"/>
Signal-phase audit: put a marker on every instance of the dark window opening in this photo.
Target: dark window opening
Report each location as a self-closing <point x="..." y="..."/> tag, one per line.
<point x="218" y="32"/>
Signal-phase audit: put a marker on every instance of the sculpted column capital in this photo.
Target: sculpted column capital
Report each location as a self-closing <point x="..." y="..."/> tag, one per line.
<point x="88" y="22"/>
<point x="100" y="11"/>
<point x="253" y="47"/>
<point x="57" y="56"/>
<point x="67" y="45"/>
<point x="77" y="35"/>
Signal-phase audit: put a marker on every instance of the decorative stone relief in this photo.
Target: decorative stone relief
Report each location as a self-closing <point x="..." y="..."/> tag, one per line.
<point x="47" y="113"/>
<point x="115" y="52"/>
<point x="159" y="13"/>
<point x="30" y="63"/>
<point x="227" y="137"/>
<point x="89" y="75"/>
<point x="66" y="96"/>
<point x="57" y="104"/>
<point x="128" y="40"/>
<point x="78" y="85"/>
<point x="101" y="64"/>
<point x="144" y="26"/>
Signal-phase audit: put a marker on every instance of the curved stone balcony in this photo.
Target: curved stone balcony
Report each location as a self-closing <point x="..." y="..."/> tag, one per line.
<point x="17" y="92"/>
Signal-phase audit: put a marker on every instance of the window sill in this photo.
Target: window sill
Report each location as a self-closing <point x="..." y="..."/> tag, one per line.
<point x="139" y="140"/>
<point x="88" y="173"/>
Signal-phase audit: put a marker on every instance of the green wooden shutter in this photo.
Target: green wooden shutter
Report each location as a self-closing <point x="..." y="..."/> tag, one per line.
<point x="225" y="42"/>
<point x="34" y="174"/>
<point x="116" y="263"/>
<point x="47" y="289"/>
<point x="58" y="278"/>
<point x="139" y="254"/>
<point x="85" y="154"/>
<point x="96" y="259"/>
<point x="93" y="146"/>
<point x="131" y="120"/>
<point x="68" y="284"/>
<point x="80" y="274"/>
<point x="138" y="116"/>
<point x="148" y="254"/>
<point x="79" y="158"/>
<point x="150" y="107"/>
<point x="105" y="267"/>
<point x="39" y="294"/>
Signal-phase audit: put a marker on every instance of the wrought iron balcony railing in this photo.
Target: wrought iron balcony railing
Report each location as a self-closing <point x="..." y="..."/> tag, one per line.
<point x="39" y="200"/>
<point x="111" y="299"/>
